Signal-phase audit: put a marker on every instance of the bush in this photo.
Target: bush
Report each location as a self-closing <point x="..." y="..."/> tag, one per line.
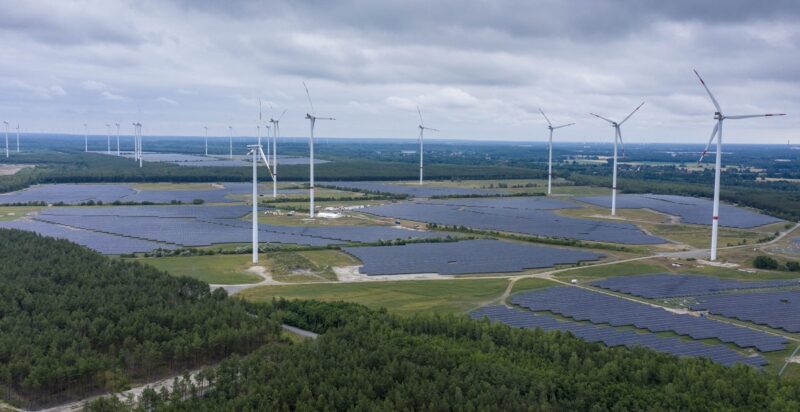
<point x="793" y="266"/>
<point x="765" y="262"/>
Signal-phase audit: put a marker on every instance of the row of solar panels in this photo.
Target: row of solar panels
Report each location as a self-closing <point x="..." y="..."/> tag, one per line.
<point x="74" y="194"/>
<point x="613" y="337"/>
<point x="780" y="310"/>
<point x="410" y="190"/>
<point x="599" y="308"/>
<point x="529" y="220"/>
<point x="464" y="257"/>
<point x="665" y="285"/>
<point x="689" y="209"/>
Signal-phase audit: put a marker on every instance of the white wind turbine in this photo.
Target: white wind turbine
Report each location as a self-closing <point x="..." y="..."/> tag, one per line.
<point x="422" y="130"/>
<point x="717" y="132"/>
<point x="6" y="123"/>
<point x="276" y="126"/>
<point x="108" y="138"/>
<point x="550" y="151"/>
<point x="206" y="128"/>
<point x="85" y="137"/>
<point x="617" y="137"/>
<point x="117" y="124"/>
<point x="137" y="136"/>
<point x="258" y="154"/>
<point x="312" y="118"/>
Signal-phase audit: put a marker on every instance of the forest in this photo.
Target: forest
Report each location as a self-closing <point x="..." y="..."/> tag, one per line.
<point x="370" y="360"/>
<point x="74" y="322"/>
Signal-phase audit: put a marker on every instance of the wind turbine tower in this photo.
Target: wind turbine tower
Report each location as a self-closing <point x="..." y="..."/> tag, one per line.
<point x="422" y="130"/>
<point x="108" y="138"/>
<point x="258" y="154"/>
<point x="230" y="142"/>
<point x="206" y="128"/>
<point x="617" y="138"/>
<point x="276" y="126"/>
<point x="550" y="152"/>
<point x="717" y="132"/>
<point x="117" y="124"/>
<point x="312" y="119"/>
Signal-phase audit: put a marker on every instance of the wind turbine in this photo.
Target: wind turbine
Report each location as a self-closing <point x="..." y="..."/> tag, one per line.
<point x="258" y="154"/>
<point x="276" y="126"/>
<point x="85" y="137"/>
<point x="137" y="136"/>
<point x="117" y="124"/>
<point x="717" y="132"/>
<point x="312" y="118"/>
<point x="206" y="127"/>
<point x="422" y="130"/>
<point x="617" y="137"/>
<point x="6" y="123"/>
<point x="108" y="138"/>
<point x="550" y="151"/>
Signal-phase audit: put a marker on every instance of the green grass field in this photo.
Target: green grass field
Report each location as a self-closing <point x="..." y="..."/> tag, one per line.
<point x="214" y="269"/>
<point x="306" y="266"/>
<point x="15" y="212"/>
<point x="619" y="269"/>
<point x="406" y="297"/>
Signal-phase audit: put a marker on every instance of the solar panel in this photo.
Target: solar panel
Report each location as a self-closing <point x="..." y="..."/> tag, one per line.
<point x="613" y="337"/>
<point x="780" y="310"/>
<point x="413" y="191"/>
<point x="691" y="210"/>
<point x="463" y="257"/>
<point x="526" y="218"/>
<point x="600" y="308"/>
<point x="665" y="285"/>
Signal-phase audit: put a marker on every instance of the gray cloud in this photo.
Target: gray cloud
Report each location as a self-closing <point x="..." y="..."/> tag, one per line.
<point x="480" y="69"/>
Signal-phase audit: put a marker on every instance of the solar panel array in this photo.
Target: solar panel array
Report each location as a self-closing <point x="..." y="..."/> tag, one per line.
<point x="105" y="243"/>
<point x="613" y="337"/>
<point x="411" y="190"/>
<point x="527" y="218"/>
<point x="74" y="194"/>
<point x="193" y="226"/>
<point x="690" y="209"/>
<point x="585" y="305"/>
<point x="780" y="310"/>
<point x="464" y="257"/>
<point x="665" y="285"/>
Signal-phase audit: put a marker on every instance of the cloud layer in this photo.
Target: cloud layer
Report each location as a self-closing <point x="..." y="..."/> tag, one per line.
<point x="478" y="70"/>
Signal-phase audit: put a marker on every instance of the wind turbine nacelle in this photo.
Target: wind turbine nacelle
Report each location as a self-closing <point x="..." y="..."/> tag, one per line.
<point x="717" y="115"/>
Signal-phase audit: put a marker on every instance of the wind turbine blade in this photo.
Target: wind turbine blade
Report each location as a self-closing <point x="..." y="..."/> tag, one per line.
<point x="713" y="100"/>
<point x="629" y="116"/>
<point x="563" y="125"/>
<point x="259" y="110"/>
<point x="421" y="123"/>
<point x="282" y="113"/>
<point x="747" y="116"/>
<point x="601" y="117"/>
<point x="431" y="128"/>
<point x="621" y="143"/>
<point x="310" y="103"/>
<point x="713" y="134"/>
<point x="545" y="117"/>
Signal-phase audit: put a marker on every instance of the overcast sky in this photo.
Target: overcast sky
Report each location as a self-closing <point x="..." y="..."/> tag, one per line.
<point x="478" y="70"/>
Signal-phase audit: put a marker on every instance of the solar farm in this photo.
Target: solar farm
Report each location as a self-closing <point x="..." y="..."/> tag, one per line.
<point x="396" y="240"/>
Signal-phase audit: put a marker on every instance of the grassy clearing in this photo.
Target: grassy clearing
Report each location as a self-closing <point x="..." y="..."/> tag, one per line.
<point x="620" y="269"/>
<point x="307" y="266"/>
<point x="214" y="269"/>
<point x="531" y="283"/>
<point x="405" y="297"/>
<point x="15" y="212"/>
